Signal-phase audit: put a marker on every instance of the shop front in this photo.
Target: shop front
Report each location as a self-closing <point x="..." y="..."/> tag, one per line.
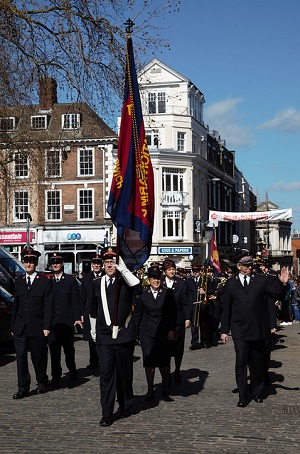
<point x="76" y="245"/>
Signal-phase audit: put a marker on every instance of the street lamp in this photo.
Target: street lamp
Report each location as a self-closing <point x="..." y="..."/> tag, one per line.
<point x="28" y="220"/>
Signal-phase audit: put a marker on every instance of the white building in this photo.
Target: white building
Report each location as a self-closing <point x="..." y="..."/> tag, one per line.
<point x="177" y="141"/>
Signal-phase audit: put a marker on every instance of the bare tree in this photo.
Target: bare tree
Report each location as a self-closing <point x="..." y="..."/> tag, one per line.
<point x="80" y="43"/>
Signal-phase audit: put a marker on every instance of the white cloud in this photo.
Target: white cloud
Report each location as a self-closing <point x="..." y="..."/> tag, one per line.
<point x="286" y="187"/>
<point x="222" y="116"/>
<point x="287" y="120"/>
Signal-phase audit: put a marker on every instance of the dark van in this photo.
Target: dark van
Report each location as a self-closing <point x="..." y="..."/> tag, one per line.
<point x="10" y="270"/>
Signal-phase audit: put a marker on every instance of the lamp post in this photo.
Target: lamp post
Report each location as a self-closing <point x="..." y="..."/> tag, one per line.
<point x="28" y="220"/>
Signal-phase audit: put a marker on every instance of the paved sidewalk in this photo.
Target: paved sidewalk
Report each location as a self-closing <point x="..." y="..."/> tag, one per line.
<point x="203" y="418"/>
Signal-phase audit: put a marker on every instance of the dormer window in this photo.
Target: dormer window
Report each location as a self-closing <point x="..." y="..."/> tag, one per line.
<point x="7" y="123"/>
<point x="39" y="122"/>
<point x="70" y="121"/>
<point x="156" y="103"/>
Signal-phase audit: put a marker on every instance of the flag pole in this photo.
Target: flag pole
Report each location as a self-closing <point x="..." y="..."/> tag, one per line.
<point x="115" y="328"/>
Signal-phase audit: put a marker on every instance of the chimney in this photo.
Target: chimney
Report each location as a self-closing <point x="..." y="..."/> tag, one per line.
<point x="48" y="93"/>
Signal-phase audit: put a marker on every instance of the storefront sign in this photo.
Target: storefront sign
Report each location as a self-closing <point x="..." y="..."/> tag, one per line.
<point x="73" y="236"/>
<point x="14" y="237"/>
<point x="175" y="250"/>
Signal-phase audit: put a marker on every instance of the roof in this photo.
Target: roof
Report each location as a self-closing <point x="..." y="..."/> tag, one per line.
<point x="91" y="125"/>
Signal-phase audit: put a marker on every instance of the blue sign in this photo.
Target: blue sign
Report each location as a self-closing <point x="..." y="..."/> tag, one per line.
<point x="73" y="236"/>
<point x="175" y="250"/>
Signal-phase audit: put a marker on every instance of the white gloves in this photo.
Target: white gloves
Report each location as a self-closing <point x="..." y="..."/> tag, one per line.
<point x="128" y="277"/>
<point x="93" y="328"/>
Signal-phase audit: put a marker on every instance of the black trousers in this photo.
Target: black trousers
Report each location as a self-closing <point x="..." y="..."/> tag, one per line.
<point x="62" y="337"/>
<point x="250" y="354"/>
<point x="116" y="376"/>
<point x="39" y="357"/>
<point x="205" y="327"/>
<point x="94" y="360"/>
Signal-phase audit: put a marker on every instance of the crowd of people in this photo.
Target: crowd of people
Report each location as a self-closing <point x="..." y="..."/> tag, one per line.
<point x="118" y="309"/>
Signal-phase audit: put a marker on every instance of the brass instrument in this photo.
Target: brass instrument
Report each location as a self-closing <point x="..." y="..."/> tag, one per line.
<point x="201" y="297"/>
<point x="142" y="275"/>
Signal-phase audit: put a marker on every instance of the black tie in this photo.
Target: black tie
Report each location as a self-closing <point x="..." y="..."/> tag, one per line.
<point x="28" y="282"/>
<point x="245" y="282"/>
<point x="110" y="283"/>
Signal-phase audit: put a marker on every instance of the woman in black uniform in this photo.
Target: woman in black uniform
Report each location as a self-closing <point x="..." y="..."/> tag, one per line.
<point x="156" y="317"/>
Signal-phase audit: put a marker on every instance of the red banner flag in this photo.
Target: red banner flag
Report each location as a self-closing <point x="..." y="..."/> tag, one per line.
<point x="131" y="199"/>
<point x="214" y="255"/>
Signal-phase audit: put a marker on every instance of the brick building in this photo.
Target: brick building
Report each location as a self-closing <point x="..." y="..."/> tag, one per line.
<point x="55" y="163"/>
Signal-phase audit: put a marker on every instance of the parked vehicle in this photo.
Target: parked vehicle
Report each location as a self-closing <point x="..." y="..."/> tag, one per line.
<point x="6" y="304"/>
<point x="10" y="270"/>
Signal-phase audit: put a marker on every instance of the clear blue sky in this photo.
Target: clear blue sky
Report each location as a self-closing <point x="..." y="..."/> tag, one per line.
<point x="244" y="56"/>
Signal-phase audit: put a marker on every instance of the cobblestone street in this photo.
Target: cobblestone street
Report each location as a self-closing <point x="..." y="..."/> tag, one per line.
<point x="203" y="418"/>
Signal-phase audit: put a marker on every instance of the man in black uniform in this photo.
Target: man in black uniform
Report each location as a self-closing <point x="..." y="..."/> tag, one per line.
<point x="31" y="324"/>
<point x="249" y="314"/>
<point x="66" y="316"/>
<point x="89" y="294"/>
<point x="115" y="341"/>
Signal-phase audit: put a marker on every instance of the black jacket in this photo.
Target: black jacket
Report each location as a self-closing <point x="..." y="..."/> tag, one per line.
<point x="33" y="308"/>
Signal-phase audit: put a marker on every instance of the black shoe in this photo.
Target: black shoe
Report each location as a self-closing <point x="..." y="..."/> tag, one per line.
<point x="167" y="398"/>
<point x="258" y="399"/>
<point x="105" y="422"/>
<point x="40" y="390"/>
<point x="242" y="403"/>
<point x="177" y="378"/>
<point x="21" y="394"/>
<point x="195" y="347"/>
<point x="74" y="375"/>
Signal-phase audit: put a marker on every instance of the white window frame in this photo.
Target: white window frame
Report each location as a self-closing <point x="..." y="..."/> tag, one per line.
<point x="91" y="158"/>
<point x="157" y="101"/>
<point x="48" y="152"/>
<point x="79" y="191"/>
<point x="15" y="218"/>
<point x="181" y="137"/>
<point x="42" y="117"/>
<point x="5" y="119"/>
<point x="47" y="218"/>
<point x="154" y="141"/>
<point x="175" y="219"/>
<point x="70" y="121"/>
<point x="175" y="177"/>
<point x="25" y="156"/>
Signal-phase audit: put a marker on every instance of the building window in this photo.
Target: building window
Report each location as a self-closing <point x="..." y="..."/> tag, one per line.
<point x="86" y="162"/>
<point x="172" y="179"/>
<point x="181" y="141"/>
<point x="152" y="139"/>
<point x="7" y="123"/>
<point x="21" y="165"/>
<point x="173" y="224"/>
<point x="53" y="205"/>
<point x="85" y="204"/>
<point x="156" y="103"/>
<point x="70" y="121"/>
<point x="53" y="163"/>
<point x="21" y="205"/>
<point x="39" y="122"/>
